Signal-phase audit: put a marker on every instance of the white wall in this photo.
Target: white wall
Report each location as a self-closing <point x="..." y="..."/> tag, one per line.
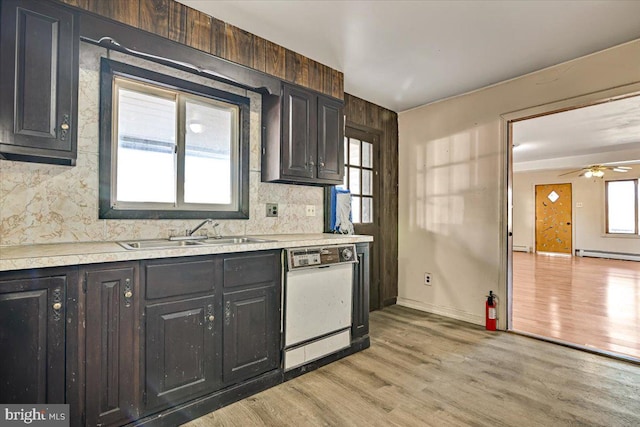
<point x="452" y="181"/>
<point x="588" y="221"/>
<point x="42" y="203"/>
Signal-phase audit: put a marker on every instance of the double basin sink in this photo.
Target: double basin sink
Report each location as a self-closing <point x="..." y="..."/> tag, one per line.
<point x="171" y="244"/>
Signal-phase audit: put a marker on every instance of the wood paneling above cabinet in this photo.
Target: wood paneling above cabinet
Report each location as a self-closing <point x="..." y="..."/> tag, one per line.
<point x="188" y="26"/>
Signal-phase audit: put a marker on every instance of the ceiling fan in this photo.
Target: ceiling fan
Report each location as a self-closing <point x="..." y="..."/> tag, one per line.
<point x="597" y="171"/>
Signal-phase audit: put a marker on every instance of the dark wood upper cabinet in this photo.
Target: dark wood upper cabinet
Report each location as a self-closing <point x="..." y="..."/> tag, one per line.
<point x="38" y="82"/>
<point x="299" y="141"/>
<point x="330" y="140"/>
<point x="32" y="339"/>
<point x="303" y="138"/>
<point x="112" y="344"/>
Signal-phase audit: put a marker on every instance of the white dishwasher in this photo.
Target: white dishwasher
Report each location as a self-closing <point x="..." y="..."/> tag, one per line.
<point x="318" y="302"/>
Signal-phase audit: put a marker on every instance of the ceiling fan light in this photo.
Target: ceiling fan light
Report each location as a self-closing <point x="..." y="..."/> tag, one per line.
<point x="598" y="173"/>
<point x="588" y="174"/>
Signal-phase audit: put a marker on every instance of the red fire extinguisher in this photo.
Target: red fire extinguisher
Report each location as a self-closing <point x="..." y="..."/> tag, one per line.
<point x="491" y="314"/>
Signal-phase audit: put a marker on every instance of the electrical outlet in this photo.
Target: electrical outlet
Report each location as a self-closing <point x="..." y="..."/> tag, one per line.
<point x="272" y="209"/>
<point x="311" y="210"/>
<point x="428" y="280"/>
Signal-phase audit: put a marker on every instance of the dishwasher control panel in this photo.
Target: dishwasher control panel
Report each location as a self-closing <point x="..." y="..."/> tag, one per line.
<point x="320" y="255"/>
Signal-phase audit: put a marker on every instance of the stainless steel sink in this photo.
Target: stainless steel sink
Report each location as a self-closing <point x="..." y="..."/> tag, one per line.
<point x="158" y="244"/>
<point x="171" y="244"/>
<point x="233" y="240"/>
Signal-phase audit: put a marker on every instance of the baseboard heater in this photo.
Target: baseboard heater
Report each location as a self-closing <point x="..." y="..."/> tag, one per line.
<point x="605" y="254"/>
<point x="520" y="248"/>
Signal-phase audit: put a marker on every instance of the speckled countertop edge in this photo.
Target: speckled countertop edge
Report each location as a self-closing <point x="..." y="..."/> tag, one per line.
<point x="65" y="254"/>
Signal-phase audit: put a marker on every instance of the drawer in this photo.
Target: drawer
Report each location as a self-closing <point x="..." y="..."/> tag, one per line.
<point x="251" y="269"/>
<point x="179" y="276"/>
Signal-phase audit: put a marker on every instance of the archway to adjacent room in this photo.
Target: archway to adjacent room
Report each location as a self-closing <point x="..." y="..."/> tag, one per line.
<point x="581" y="297"/>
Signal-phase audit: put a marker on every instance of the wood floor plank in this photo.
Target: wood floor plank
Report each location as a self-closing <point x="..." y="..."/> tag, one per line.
<point x="591" y="302"/>
<point x="427" y="370"/>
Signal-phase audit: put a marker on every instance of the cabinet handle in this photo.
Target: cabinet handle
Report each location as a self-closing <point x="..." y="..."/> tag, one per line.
<point x="227" y="313"/>
<point x="209" y="316"/>
<point x="57" y="304"/>
<point x="128" y="293"/>
<point x="64" y="127"/>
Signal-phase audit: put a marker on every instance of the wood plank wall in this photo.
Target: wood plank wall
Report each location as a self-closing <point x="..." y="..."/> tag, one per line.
<point x="180" y="23"/>
<point x="363" y="113"/>
<point x="175" y="21"/>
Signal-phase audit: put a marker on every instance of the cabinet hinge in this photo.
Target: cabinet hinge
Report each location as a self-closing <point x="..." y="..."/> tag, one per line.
<point x="84" y="284"/>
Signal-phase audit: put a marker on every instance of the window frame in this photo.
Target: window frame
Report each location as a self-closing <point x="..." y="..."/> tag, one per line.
<point x="108" y="208"/>
<point x="636" y="205"/>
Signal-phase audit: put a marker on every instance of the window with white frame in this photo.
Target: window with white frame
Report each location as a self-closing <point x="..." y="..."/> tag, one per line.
<point x="622" y="206"/>
<point x="173" y="149"/>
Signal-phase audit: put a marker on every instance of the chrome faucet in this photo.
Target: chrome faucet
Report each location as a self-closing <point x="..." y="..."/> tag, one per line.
<point x="189" y="233"/>
<point x="199" y="226"/>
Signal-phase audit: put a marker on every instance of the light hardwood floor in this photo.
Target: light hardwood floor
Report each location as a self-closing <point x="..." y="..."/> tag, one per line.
<point x="591" y="302"/>
<point x="427" y="370"/>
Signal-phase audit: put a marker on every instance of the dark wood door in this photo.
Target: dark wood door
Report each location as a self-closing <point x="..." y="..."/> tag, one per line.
<point x="360" y="310"/>
<point x="299" y="137"/>
<point x="330" y="140"/>
<point x="112" y="345"/>
<point x="32" y="339"/>
<point x="38" y="81"/>
<point x="251" y="333"/>
<point x="362" y="165"/>
<point x="182" y="351"/>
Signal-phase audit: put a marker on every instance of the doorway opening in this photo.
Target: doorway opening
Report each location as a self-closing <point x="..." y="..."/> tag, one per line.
<point x="562" y="158"/>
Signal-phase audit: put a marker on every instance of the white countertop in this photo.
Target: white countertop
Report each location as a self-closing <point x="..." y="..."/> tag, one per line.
<point x="61" y="254"/>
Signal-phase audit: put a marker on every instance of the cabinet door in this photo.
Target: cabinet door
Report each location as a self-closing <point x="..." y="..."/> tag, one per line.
<point x="32" y="325"/>
<point x="330" y="140"/>
<point x="299" y="138"/>
<point x="251" y="333"/>
<point x="112" y="345"/>
<point x="360" y="325"/>
<point x="182" y="351"/>
<point x="38" y="81"/>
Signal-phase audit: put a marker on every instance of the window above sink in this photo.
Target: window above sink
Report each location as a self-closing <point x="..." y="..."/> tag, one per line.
<point x="170" y="148"/>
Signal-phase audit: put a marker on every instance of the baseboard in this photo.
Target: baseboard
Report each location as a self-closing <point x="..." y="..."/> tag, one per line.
<point x="454" y="313"/>
<point x="609" y="255"/>
<point x="185" y="412"/>
<point x="389" y="301"/>
<point x="521" y="248"/>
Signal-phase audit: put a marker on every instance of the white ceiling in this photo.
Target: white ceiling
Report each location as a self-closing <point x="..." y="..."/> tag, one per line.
<point x="598" y="134"/>
<point x="402" y="54"/>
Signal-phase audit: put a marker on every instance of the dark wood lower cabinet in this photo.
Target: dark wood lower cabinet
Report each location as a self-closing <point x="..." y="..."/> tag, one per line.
<point x="153" y="342"/>
<point x="251" y="333"/>
<point x="112" y="344"/>
<point x="32" y="339"/>
<point x="182" y="351"/>
<point x="360" y="310"/>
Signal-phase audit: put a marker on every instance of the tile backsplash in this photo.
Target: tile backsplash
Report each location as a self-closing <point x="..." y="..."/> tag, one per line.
<point x="42" y="203"/>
